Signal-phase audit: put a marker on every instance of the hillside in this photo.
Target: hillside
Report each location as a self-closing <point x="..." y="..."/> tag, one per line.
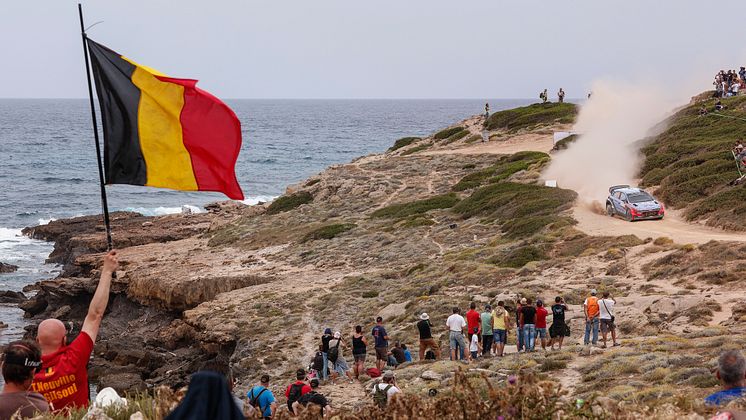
<point x="691" y="163"/>
<point x="416" y="229"/>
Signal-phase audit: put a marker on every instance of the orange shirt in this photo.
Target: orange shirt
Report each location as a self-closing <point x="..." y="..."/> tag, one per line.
<point x="63" y="378"/>
<point x="592" y="304"/>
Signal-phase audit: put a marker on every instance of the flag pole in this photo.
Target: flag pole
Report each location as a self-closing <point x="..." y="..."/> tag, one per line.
<point x="104" y="203"/>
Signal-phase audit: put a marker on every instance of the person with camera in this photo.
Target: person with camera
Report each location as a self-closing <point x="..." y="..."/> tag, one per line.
<point x="606" y="311"/>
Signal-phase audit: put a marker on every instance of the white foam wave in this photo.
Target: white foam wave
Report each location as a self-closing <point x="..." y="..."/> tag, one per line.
<point x="253" y="201"/>
<point x="14" y="246"/>
<point x="46" y="221"/>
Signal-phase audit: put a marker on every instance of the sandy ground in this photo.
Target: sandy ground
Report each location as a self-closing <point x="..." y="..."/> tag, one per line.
<point x="672" y="226"/>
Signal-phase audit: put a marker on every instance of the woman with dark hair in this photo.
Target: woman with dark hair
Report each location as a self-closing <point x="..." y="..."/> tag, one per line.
<point x="20" y="361"/>
<point x="359" y="350"/>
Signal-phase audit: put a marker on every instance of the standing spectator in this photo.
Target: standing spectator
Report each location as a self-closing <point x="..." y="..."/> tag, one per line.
<point x="473" y="319"/>
<point x="208" y="397"/>
<point x="541" y="323"/>
<point x="528" y="325"/>
<point x="500" y="322"/>
<point x="20" y="361"/>
<point x="64" y="379"/>
<point x="561" y="95"/>
<point x="518" y="329"/>
<point x="297" y="389"/>
<point x="591" y="311"/>
<point x="606" y="313"/>
<point x="474" y="346"/>
<point x="261" y="399"/>
<point x="487" y="334"/>
<point x="313" y="397"/>
<point x="487" y="109"/>
<point x="381" y="343"/>
<point x="317" y="363"/>
<point x="384" y="391"/>
<point x="731" y="373"/>
<point x="543" y="96"/>
<point x="407" y="354"/>
<point x="742" y="73"/>
<point x="456" y="325"/>
<point x="336" y="357"/>
<point x="359" y="351"/>
<point x="426" y="337"/>
<point x="559" y="329"/>
<point x="325" y="352"/>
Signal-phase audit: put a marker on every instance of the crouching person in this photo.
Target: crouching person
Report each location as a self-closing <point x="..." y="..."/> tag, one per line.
<point x="20" y="362"/>
<point x="313" y="398"/>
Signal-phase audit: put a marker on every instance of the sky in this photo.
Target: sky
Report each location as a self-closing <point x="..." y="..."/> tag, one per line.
<point x="377" y="49"/>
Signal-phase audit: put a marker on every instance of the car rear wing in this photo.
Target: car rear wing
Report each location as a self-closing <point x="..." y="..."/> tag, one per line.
<point x="617" y="187"/>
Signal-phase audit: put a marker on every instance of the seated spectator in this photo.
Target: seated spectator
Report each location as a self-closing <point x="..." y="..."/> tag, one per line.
<point x="398" y="354"/>
<point x="731" y="373"/>
<point x="314" y="398"/>
<point x="407" y="354"/>
<point x="208" y="397"/>
<point x="20" y="361"/>
<point x="719" y="105"/>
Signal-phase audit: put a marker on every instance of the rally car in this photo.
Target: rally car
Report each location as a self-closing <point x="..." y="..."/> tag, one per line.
<point x="633" y="204"/>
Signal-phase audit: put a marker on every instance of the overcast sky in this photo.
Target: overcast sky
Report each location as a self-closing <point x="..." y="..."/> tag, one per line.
<point x="376" y="48"/>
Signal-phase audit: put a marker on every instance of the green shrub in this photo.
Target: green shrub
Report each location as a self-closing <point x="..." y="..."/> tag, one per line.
<point x="370" y="294"/>
<point x="448" y="132"/>
<point x="289" y="202"/>
<point x="417" y="221"/>
<point x="526" y="226"/>
<point x="403" y="142"/>
<point x="565" y="143"/>
<point x="507" y="200"/>
<point x="328" y="231"/>
<point x="416" y="149"/>
<point x="473" y="139"/>
<point x="502" y="169"/>
<point x="418" y="207"/>
<point x="552" y="364"/>
<point x="458" y="136"/>
<point x="520" y="256"/>
<point x="532" y="115"/>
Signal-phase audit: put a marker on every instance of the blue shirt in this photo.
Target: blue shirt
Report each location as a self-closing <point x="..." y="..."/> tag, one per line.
<point x="378" y="333"/>
<point x="407" y="355"/>
<point x="722" y="397"/>
<point x="264" y="401"/>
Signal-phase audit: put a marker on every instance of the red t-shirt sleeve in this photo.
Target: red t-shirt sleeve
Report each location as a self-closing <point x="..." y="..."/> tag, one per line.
<point x="79" y="351"/>
<point x="287" y="391"/>
<point x="305" y="390"/>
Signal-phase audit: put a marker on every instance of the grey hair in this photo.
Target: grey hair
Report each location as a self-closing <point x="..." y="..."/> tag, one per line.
<point x="732" y="367"/>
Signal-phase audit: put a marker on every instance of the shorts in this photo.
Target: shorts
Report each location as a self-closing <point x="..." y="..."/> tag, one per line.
<point x="340" y="366"/>
<point x="501" y="336"/>
<point x="541" y="333"/>
<point x="559" y="330"/>
<point x="359" y="357"/>
<point x="474" y="355"/>
<point x="607" y="325"/>
<point x="382" y="353"/>
<point x="456" y="339"/>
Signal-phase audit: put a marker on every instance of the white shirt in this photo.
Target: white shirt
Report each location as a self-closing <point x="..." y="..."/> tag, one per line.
<point x="456" y="323"/>
<point x="390" y="393"/>
<point x="606" y="314"/>
<point x="474" y="340"/>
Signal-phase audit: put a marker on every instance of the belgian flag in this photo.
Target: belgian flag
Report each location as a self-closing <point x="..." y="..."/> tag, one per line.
<point x="161" y="131"/>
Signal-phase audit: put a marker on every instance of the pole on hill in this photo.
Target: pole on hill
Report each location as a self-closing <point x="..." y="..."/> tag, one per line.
<point x="104" y="202"/>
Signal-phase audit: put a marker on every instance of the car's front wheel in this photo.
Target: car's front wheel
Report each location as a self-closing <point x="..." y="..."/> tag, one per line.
<point x="609" y="209"/>
<point x="628" y="216"/>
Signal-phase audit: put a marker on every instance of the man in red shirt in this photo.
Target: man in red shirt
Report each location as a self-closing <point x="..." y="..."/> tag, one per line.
<point x="473" y="320"/>
<point x="63" y="377"/>
<point x="541" y="323"/>
<point x="297" y="389"/>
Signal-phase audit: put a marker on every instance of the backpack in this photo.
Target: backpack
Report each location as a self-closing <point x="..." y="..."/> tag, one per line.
<point x="381" y="396"/>
<point x="373" y="372"/>
<point x="318" y="362"/>
<point x="294" y="394"/>
<point x="429" y="355"/>
<point x="254" y="401"/>
<point x="334" y="352"/>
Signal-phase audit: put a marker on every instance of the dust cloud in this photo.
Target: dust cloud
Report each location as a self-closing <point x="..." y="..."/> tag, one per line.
<point x="611" y="124"/>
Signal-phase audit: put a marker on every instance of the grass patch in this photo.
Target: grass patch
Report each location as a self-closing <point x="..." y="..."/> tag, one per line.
<point x="416" y="149"/>
<point x="417" y="221"/>
<point x="328" y="231"/>
<point x="473" y="139"/>
<point x="403" y="142"/>
<point x="289" y="202"/>
<point x="532" y="115"/>
<point x="509" y="200"/>
<point x="448" y="132"/>
<point x="418" y="207"/>
<point x="457" y="136"/>
<point x="519" y="257"/>
<point x="370" y="294"/>
<point x="502" y="169"/>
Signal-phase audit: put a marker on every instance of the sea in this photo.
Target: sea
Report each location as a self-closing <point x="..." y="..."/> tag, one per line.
<point x="48" y="166"/>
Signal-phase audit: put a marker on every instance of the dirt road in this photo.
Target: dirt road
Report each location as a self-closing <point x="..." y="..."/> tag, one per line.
<point x="672" y="226"/>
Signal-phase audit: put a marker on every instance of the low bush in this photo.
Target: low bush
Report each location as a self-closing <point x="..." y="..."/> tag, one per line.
<point x="328" y="231"/>
<point x="416" y="149"/>
<point x="532" y="115"/>
<point x="289" y="202"/>
<point x="403" y="142"/>
<point x="502" y="169"/>
<point x="418" y="207"/>
<point x="448" y="132"/>
<point x="509" y="200"/>
<point x="520" y="256"/>
<point x="565" y="143"/>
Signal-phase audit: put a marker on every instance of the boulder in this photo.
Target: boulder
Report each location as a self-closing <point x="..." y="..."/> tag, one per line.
<point x="34" y="306"/>
<point x="9" y="296"/>
<point x="429" y="375"/>
<point x="394" y="310"/>
<point x="7" y="268"/>
<point x="122" y="382"/>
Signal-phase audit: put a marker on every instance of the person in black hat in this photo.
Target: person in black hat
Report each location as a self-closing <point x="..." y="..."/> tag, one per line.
<point x="20" y="361"/>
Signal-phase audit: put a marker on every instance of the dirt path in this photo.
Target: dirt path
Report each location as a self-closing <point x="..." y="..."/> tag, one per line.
<point x="672" y="226"/>
<point x="535" y="142"/>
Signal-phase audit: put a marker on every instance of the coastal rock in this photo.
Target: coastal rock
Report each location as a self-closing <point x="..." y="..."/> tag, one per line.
<point x="394" y="310"/>
<point x="429" y="375"/>
<point x="7" y="268"/>
<point x="9" y="296"/>
<point x="34" y="306"/>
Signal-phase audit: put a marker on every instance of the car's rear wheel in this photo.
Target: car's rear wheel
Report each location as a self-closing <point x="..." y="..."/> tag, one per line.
<point x="609" y="209"/>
